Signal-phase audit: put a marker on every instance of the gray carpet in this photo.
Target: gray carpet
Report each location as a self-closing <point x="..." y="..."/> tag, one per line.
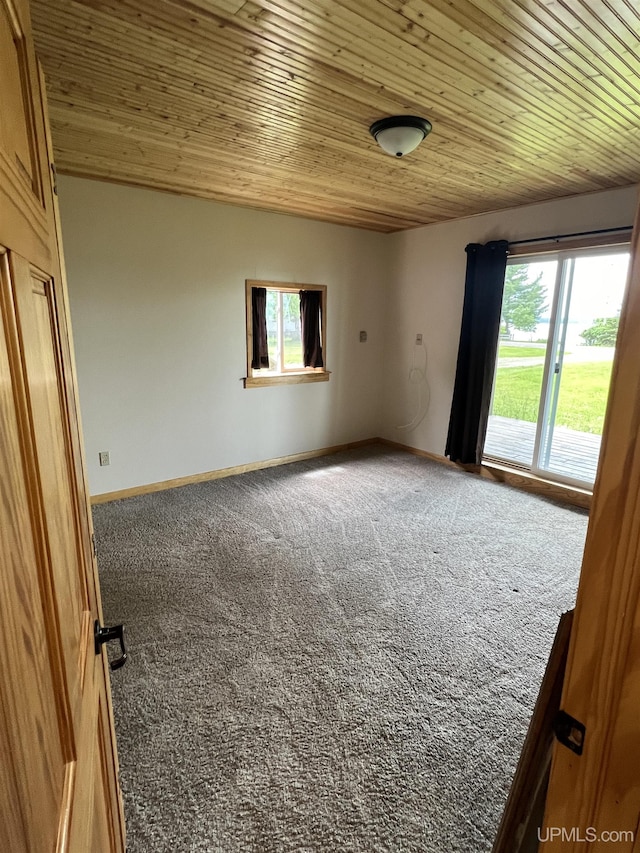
<point x="335" y="655"/>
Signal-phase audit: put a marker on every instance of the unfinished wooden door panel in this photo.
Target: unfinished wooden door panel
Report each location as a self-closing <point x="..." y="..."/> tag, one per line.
<point x="15" y="131"/>
<point x="102" y="829"/>
<point x="23" y="160"/>
<point x="29" y="699"/>
<point x="62" y="783"/>
<point x="38" y="332"/>
<point x="600" y="789"/>
<point x="12" y="831"/>
<point x="58" y="774"/>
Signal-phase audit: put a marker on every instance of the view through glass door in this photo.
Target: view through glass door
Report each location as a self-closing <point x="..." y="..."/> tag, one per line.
<point x="557" y="340"/>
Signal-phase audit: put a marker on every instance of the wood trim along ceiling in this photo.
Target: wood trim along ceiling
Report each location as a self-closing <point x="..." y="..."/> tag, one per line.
<point x="267" y="103"/>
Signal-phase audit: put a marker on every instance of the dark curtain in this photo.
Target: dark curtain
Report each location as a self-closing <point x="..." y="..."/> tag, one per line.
<point x="484" y="283"/>
<point x="260" y="356"/>
<point x="310" y="322"/>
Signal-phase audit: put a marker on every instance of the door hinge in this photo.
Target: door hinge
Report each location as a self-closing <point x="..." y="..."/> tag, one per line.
<point x="54" y="179"/>
<point x="569" y="732"/>
<point x="93" y="545"/>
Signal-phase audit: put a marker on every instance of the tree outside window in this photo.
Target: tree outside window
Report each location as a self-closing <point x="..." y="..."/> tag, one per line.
<point x="523" y="302"/>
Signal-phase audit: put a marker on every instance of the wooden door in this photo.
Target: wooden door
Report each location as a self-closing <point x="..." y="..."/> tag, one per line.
<point x="58" y="770"/>
<point x="593" y="801"/>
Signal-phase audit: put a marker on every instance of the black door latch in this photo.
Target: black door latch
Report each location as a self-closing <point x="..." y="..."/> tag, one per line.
<point x="569" y="732"/>
<point x="106" y="635"/>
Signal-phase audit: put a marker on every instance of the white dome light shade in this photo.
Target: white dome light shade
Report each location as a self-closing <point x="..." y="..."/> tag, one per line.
<point x="399" y="141"/>
<point x="399" y="135"/>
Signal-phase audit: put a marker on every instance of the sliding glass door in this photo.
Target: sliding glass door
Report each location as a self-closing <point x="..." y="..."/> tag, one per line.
<point x="557" y="339"/>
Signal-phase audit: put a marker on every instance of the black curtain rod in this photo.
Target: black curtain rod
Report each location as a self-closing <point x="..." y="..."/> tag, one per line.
<point x="577" y="234"/>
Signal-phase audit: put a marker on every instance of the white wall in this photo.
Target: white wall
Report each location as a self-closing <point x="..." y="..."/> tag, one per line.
<point x="157" y="290"/>
<point x="157" y="303"/>
<point x="428" y="288"/>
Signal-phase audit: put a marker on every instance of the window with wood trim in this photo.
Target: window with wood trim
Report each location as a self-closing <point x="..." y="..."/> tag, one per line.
<point x="286" y="333"/>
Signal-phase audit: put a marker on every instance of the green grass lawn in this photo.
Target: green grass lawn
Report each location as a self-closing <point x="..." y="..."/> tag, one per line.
<point x="292" y="351"/>
<point x="583" y="394"/>
<point x="506" y="351"/>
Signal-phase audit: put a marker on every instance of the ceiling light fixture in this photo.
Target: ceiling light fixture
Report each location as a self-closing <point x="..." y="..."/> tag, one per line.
<point x="398" y="135"/>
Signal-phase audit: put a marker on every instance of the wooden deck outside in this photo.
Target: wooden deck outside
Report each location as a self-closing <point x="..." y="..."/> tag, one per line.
<point x="573" y="454"/>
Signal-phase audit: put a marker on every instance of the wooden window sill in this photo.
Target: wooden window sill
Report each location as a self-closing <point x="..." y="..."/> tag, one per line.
<point x="287" y="378"/>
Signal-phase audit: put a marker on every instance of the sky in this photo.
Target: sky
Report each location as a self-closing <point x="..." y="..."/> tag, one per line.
<point x="598" y="288"/>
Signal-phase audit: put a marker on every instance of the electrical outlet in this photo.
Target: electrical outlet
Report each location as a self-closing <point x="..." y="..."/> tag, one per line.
<point x="418" y="339"/>
<point x="104" y="458"/>
<point x="363" y="337"/>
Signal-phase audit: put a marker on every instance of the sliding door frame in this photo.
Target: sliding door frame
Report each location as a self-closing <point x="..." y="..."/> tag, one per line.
<point x="550" y="350"/>
<point x="556" y="345"/>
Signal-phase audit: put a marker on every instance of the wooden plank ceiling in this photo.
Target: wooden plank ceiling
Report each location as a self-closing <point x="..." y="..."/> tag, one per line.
<point x="268" y="103"/>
